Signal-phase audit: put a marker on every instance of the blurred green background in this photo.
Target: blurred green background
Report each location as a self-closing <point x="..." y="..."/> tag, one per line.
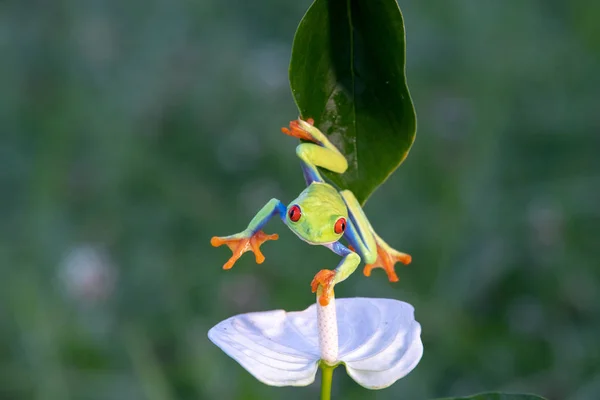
<point x="132" y="132"/>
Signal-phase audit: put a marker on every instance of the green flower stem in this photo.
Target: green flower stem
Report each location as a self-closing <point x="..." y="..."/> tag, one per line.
<point x="326" y="379"/>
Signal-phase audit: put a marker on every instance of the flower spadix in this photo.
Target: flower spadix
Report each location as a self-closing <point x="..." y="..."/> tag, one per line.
<point x="378" y="340"/>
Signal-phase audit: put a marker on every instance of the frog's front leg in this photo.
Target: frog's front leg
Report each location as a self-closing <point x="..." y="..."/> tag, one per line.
<point x="252" y="237"/>
<point x="327" y="278"/>
<point x="374" y="251"/>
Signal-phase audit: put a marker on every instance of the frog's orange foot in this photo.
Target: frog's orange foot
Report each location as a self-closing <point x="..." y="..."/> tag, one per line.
<point x="297" y="131"/>
<point x="323" y="278"/>
<point x="386" y="259"/>
<point x="240" y="245"/>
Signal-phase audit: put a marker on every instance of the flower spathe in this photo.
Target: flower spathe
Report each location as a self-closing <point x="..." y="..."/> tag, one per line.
<point x="379" y="342"/>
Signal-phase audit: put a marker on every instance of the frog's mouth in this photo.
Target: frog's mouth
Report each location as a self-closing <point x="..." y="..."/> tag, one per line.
<point x="313" y="242"/>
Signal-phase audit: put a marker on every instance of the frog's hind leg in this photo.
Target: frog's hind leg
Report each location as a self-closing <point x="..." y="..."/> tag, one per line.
<point x="374" y="251"/>
<point x="386" y="259"/>
<point x="319" y="153"/>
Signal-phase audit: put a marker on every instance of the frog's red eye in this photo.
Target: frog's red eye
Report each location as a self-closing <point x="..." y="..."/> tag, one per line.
<point x="340" y="225"/>
<point x="294" y="213"/>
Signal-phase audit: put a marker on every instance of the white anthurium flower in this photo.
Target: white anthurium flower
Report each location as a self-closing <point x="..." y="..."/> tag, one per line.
<point x="378" y="340"/>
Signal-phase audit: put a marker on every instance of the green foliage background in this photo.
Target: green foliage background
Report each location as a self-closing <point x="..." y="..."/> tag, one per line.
<point x="137" y="130"/>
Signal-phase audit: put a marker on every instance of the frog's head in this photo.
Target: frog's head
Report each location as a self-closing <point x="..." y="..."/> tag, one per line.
<point x="318" y="215"/>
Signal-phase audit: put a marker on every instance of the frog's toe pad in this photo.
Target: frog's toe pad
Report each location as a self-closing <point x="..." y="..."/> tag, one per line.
<point x="323" y="278"/>
<point x="240" y="245"/>
<point x="386" y="259"/>
<point x="296" y="130"/>
<point x="256" y="240"/>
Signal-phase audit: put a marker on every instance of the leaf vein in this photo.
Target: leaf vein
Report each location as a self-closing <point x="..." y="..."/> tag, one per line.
<point x="352" y="73"/>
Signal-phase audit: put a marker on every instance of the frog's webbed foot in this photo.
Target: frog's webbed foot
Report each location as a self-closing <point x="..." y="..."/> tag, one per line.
<point x="386" y="259"/>
<point x="296" y="130"/>
<point x="324" y="278"/>
<point x="241" y="243"/>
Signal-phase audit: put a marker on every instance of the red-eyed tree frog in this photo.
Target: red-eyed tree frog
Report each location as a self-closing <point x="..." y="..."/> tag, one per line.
<point x="320" y="215"/>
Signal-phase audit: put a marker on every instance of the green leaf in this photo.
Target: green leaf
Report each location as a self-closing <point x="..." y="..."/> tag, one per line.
<point x="497" y="396"/>
<point x="347" y="72"/>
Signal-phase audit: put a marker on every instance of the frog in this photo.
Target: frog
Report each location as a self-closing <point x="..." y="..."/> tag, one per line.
<point x="320" y="215"/>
